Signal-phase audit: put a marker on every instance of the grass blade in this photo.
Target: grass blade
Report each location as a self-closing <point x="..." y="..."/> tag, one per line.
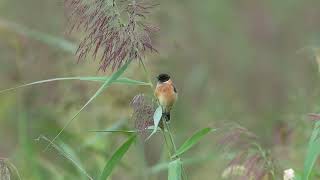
<point x="96" y="79"/>
<point x="106" y="84"/>
<point x="156" y="119"/>
<point x="98" y="138"/>
<point x="313" y="151"/>
<point x="114" y="131"/>
<point x="132" y="82"/>
<point x="186" y="162"/>
<point x="116" y="157"/>
<point x="67" y="156"/>
<point x="175" y="170"/>
<point x="50" y="40"/>
<point x="193" y="140"/>
<point x="73" y="155"/>
<point x="25" y="143"/>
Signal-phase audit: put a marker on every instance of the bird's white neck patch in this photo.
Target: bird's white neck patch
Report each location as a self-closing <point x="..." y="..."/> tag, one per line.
<point x="166" y="82"/>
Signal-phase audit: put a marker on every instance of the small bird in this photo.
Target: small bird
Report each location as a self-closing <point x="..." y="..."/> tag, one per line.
<point x="166" y="93"/>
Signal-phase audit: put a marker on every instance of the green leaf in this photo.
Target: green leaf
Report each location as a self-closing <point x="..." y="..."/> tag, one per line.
<point x="65" y="153"/>
<point x="26" y="144"/>
<point x="115" y="131"/>
<point x="115" y="158"/>
<point x="68" y="150"/>
<point x="95" y="140"/>
<point x="156" y="120"/>
<point x="313" y="151"/>
<point x="175" y="170"/>
<point x="193" y="140"/>
<point x="186" y="162"/>
<point x="132" y="82"/>
<point x="95" y="79"/>
<point x="50" y="40"/>
<point x="105" y="85"/>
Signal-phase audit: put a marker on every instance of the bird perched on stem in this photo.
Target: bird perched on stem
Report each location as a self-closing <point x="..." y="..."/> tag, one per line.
<point x="166" y="93"/>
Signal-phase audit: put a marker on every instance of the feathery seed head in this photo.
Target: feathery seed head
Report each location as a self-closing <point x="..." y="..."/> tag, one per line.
<point x="116" y="32"/>
<point x="143" y="110"/>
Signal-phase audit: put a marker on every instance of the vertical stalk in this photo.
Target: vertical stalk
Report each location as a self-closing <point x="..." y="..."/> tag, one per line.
<point x="166" y="141"/>
<point x="147" y="74"/>
<point x="172" y="149"/>
<point x="167" y="127"/>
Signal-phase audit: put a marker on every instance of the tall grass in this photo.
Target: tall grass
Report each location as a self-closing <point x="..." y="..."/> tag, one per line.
<point x="175" y="166"/>
<point x="126" y="41"/>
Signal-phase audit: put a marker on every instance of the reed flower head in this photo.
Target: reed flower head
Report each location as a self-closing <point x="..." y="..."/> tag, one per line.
<point x="143" y="110"/>
<point x="251" y="161"/>
<point x="116" y="32"/>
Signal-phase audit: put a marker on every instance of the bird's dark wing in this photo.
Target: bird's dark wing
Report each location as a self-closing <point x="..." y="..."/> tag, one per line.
<point x="174" y="89"/>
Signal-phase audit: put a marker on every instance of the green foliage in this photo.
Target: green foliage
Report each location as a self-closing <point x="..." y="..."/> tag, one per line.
<point x="53" y="41"/>
<point x="194" y="139"/>
<point x="126" y="81"/>
<point x="106" y="84"/>
<point x="187" y="161"/>
<point x="175" y="170"/>
<point x="116" y="157"/>
<point x="253" y="77"/>
<point x="313" y="151"/>
<point x="115" y="131"/>
<point x="72" y="154"/>
<point x="68" y="153"/>
<point x="27" y="146"/>
<point x="156" y="120"/>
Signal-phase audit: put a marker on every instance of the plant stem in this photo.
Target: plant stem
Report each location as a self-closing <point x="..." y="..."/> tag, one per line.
<point x="167" y="144"/>
<point x="147" y="74"/>
<point x="167" y="127"/>
<point x="170" y="135"/>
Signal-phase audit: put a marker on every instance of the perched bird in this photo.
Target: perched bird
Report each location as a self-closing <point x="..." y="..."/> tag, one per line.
<point x="166" y="93"/>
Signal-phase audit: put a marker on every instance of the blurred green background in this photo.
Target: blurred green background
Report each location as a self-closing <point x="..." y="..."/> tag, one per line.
<point x="246" y="62"/>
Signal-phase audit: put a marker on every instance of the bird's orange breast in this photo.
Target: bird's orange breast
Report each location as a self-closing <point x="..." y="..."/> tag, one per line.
<point x="166" y="95"/>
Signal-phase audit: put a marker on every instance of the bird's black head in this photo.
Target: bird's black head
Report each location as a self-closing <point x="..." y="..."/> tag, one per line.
<point x="163" y="77"/>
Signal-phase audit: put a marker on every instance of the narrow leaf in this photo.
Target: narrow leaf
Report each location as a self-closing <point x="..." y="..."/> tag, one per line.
<point x="175" y="170"/>
<point x="75" y="162"/>
<point x="106" y="84"/>
<point x="313" y="151"/>
<point x="73" y="155"/>
<point x="115" y="131"/>
<point x="156" y="119"/>
<point x="193" y="140"/>
<point x="96" y="140"/>
<point x="115" y="158"/>
<point x="50" y="40"/>
<point x="96" y="79"/>
<point x="186" y="162"/>
<point x="132" y="82"/>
